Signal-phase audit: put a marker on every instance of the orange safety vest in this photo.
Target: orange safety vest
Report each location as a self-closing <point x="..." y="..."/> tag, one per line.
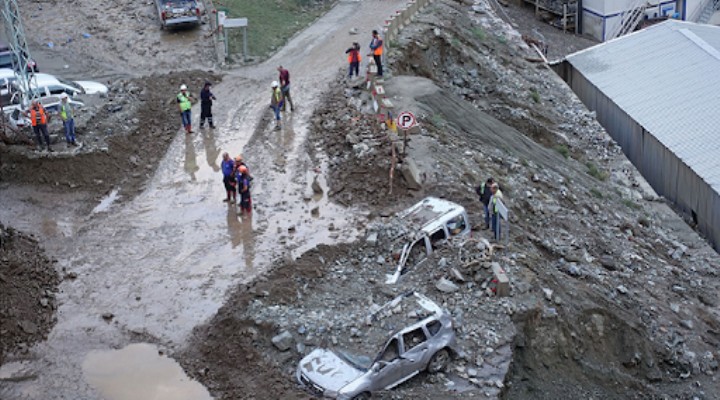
<point x="36" y="119"/>
<point x="353" y="53"/>
<point x="379" y="50"/>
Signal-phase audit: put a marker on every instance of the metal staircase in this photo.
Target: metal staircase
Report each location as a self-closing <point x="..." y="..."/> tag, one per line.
<point x="708" y="11"/>
<point x="630" y="19"/>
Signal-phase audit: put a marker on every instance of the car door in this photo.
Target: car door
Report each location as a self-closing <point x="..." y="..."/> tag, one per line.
<point x="415" y="351"/>
<point x="388" y="368"/>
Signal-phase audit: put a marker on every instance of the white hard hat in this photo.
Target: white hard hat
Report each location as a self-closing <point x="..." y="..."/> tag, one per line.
<point x="183" y="87"/>
<point x="274" y="84"/>
<point x="63" y="96"/>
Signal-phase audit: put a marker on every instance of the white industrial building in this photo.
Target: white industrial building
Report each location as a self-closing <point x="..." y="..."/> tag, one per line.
<point x="604" y="19"/>
<point x="656" y="92"/>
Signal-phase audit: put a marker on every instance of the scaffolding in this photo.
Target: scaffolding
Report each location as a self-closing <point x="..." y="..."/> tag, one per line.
<point x="21" y="53"/>
<point x="564" y="13"/>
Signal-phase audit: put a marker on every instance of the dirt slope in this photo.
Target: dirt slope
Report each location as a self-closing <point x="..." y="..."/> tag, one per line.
<point x="28" y="283"/>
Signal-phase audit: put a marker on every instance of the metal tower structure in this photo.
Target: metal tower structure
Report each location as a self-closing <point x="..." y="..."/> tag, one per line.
<point x="21" y="53"/>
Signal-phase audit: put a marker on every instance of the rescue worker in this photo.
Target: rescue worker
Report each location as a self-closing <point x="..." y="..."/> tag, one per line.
<point x="206" y="99"/>
<point x="39" y="119"/>
<point x="68" y="118"/>
<point x="184" y="104"/>
<point x="485" y="194"/>
<point x="276" y="102"/>
<point x="284" y="78"/>
<point x="495" y="219"/>
<point x="376" y="45"/>
<point x="228" y="170"/>
<point x="354" y="59"/>
<point x="244" y="189"/>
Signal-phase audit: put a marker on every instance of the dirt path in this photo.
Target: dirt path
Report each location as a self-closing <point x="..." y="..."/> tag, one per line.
<point x="158" y="265"/>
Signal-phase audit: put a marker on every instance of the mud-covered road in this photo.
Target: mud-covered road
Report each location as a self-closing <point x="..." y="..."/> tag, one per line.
<point x="153" y="267"/>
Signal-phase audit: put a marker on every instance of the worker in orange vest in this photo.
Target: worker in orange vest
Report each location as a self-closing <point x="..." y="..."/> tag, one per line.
<point x="376" y="45"/>
<point x="354" y="59"/>
<point x="39" y="119"/>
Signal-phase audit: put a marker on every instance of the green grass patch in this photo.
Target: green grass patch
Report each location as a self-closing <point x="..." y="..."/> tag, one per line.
<point x="455" y="42"/>
<point x="596" y="172"/>
<point x="479" y="33"/>
<point x="563" y="150"/>
<point x="596" y="193"/>
<point x="631" y="204"/>
<point x="270" y="22"/>
<point x="437" y="120"/>
<point x="502" y="39"/>
<point x="534" y="95"/>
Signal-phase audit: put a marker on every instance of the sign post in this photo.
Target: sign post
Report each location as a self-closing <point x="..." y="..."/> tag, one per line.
<point x="234" y="23"/>
<point x="503" y="214"/>
<point x="405" y="121"/>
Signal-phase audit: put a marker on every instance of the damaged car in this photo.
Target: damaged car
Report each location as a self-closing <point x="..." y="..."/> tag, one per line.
<point x="177" y="13"/>
<point x="427" y="224"/>
<point x="426" y="342"/>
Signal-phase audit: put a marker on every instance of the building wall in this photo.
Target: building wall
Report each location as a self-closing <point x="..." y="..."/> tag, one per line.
<point x="663" y="170"/>
<point x="602" y="17"/>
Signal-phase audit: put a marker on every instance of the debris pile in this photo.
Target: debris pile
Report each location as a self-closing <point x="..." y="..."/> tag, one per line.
<point x="28" y="286"/>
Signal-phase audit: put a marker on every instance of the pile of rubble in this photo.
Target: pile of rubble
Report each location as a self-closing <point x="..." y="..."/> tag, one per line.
<point x="28" y="286"/>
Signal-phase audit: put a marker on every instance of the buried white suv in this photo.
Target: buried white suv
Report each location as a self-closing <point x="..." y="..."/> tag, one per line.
<point x="425" y="344"/>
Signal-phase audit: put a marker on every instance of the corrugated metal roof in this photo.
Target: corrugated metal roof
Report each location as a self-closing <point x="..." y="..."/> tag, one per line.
<point x="667" y="78"/>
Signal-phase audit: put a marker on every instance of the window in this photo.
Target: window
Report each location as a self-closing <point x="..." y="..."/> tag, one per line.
<point x="433" y="327"/>
<point x="413" y="338"/>
<point x="391" y="351"/>
<point x="437" y="237"/>
<point x="456" y="225"/>
<point x="416" y="254"/>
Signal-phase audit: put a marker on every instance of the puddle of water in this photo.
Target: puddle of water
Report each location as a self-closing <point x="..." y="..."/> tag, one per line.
<point x="138" y="372"/>
<point x="106" y="202"/>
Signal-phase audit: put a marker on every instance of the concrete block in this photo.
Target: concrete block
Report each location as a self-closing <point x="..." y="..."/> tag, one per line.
<point x="411" y="173"/>
<point x="501" y="280"/>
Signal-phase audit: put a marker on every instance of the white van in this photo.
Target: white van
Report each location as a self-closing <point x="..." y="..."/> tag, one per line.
<point x="432" y="221"/>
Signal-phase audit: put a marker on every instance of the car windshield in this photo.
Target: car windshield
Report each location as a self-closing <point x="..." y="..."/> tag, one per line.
<point x="360" y="362"/>
<point x="71" y="84"/>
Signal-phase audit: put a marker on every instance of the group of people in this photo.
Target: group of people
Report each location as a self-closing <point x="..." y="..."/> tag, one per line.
<point x="39" y="119"/>
<point x="490" y="193"/>
<point x="237" y="179"/>
<point x="184" y="101"/>
<point x="354" y="57"/>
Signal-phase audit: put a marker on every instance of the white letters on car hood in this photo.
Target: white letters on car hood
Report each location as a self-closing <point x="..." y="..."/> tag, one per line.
<point x="325" y="369"/>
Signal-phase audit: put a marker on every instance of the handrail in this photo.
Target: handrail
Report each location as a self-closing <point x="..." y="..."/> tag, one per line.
<point x="634" y="19"/>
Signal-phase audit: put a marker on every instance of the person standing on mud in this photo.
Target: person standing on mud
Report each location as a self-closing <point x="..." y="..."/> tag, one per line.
<point x="284" y="78"/>
<point x="206" y="99"/>
<point x="376" y="45"/>
<point x="243" y="182"/>
<point x="485" y="194"/>
<point x="184" y="104"/>
<point x="68" y="118"/>
<point x="228" y="171"/>
<point x="354" y="59"/>
<point x="276" y="102"/>
<point x="39" y="119"/>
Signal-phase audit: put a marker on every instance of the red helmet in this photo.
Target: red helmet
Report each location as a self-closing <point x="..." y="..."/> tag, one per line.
<point x="243" y="169"/>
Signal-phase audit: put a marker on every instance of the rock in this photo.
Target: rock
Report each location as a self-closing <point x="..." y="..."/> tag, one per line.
<point x="472" y="372"/>
<point x="71" y="275"/>
<point x="446" y="286"/>
<point x="28" y="327"/>
<point x="548" y="294"/>
<point x="687" y="324"/>
<point x="352" y="138"/>
<point x="108" y="316"/>
<point x="622" y="289"/>
<point x="411" y="174"/>
<point x="317" y="189"/>
<point x="372" y="238"/>
<point x="457" y="275"/>
<point x="315" y="211"/>
<point x="678" y="253"/>
<point x="574" y="270"/>
<point x="283" y="341"/>
<point x="442" y="263"/>
<point x="608" y="262"/>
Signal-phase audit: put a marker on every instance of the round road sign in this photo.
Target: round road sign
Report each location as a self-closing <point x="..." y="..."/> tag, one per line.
<point x="406" y="120"/>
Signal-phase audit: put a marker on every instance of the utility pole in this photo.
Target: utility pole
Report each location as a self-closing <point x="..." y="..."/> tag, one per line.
<point x="21" y="53"/>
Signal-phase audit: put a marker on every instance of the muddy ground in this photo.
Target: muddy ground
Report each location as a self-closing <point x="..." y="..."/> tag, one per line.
<point x="123" y="139"/>
<point x="28" y="286"/>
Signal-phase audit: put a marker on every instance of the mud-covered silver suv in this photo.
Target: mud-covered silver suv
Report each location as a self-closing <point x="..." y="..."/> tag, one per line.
<point x="176" y="13"/>
<point x="424" y="345"/>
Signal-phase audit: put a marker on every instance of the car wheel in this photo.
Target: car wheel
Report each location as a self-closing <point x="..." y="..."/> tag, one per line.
<point x="439" y="361"/>
<point x="362" y="396"/>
